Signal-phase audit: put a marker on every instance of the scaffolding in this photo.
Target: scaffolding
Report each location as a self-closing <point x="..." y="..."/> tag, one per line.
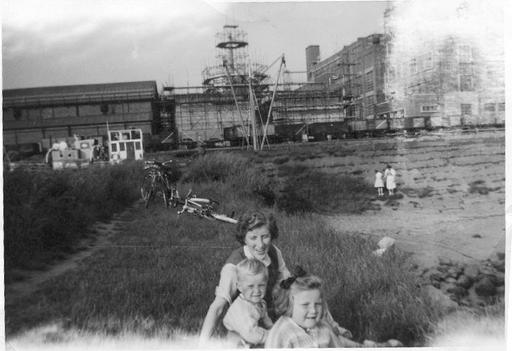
<point x="237" y="94"/>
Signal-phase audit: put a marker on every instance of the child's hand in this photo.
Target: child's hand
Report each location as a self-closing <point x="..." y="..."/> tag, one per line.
<point x="343" y="332"/>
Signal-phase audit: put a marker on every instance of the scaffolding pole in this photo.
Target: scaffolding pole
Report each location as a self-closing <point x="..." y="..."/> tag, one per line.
<point x="283" y="62"/>
<point x="236" y="103"/>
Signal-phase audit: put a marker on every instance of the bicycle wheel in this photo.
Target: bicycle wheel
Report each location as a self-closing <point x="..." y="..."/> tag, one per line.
<point x="173" y="196"/>
<point x="147" y="189"/>
<point x="223" y="218"/>
<point x="165" y="195"/>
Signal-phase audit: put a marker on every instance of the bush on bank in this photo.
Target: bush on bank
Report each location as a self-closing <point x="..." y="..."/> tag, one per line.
<point x="308" y="190"/>
<point x="47" y="212"/>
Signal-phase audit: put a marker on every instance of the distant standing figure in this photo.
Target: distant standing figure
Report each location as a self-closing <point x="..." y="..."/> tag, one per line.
<point x="379" y="182"/>
<point x="390" y="175"/>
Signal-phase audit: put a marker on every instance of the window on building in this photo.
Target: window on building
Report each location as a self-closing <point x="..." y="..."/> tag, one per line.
<point x="368" y="81"/>
<point x="429" y="108"/>
<point x="17" y="114"/>
<point x="115" y="136"/>
<point x="135" y="134"/>
<point x="466" y="68"/>
<point x="137" y="145"/>
<point x="351" y="111"/>
<point x="413" y="68"/>
<point x="466" y="83"/>
<point x="489" y="107"/>
<point x="465" y="53"/>
<point x="114" y="147"/>
<point x="104" y="108"/>
<point x="465" y="109"/>
<point x="428" y="61"/>
<point x="122" y="147"/>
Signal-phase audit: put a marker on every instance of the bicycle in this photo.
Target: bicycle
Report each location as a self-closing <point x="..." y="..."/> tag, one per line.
<point x="203" y="207"/>
<point x="157" y="180"/>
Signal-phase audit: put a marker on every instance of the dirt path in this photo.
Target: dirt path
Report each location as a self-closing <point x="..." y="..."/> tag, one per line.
<point x="103" y="232"/>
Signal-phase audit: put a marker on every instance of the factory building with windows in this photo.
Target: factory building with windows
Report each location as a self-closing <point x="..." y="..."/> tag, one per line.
<point x="45" y="114"/>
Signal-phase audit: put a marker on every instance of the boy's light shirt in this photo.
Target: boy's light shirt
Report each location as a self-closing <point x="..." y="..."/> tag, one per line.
<point x="243" y="317"/>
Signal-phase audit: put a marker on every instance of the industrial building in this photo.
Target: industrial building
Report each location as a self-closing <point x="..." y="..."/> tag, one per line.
<point x="367" y="86"/>
<point x="224" y="107"/>
<point x="451" y="78"/>
<point x="355" y="73"/>
<point x="45" y="114"/>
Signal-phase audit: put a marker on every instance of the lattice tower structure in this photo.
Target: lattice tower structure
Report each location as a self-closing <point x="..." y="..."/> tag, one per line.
<point x="233" y="58"/>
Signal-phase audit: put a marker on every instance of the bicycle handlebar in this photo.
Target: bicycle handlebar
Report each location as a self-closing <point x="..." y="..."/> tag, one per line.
<point x="158" y="163"/>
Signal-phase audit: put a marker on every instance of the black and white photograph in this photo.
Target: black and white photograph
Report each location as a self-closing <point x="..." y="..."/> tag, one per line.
<point x="215" y="174"/>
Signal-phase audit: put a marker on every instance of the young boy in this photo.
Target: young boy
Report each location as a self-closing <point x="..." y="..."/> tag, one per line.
<point x="247" y="319"/>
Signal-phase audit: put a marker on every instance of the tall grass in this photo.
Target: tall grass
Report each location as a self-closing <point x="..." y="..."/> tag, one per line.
<point x="159" y="272"/>
<point x="308" y="190"/>
<point x="234" y="169"/>
<point x="46" y="213"/>
<point x="376" y="298"/>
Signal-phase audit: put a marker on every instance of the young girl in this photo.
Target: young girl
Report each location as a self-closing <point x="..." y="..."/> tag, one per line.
<point x="379" y="182"/>
<point x="300" y="301"/>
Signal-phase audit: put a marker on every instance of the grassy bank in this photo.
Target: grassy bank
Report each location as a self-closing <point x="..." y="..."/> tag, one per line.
<point x="159" y="272"/>
<point x="46" y="213"/>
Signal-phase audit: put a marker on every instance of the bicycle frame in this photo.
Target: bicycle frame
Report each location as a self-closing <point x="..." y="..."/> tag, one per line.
<point x="160" y="182"/>
<point x="203" y="208"/>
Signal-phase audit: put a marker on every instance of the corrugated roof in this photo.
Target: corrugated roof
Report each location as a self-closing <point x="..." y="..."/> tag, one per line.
<point x="79" y="93"/>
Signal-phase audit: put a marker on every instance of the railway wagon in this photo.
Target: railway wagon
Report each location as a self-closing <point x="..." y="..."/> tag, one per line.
<point x="396" y="124"/>
<point x="322" y="130"/>
<point x="377" y="127"/>
<point x="417" y="123"/>
<point x="290" y="132"/>
<point x="236" y="135"/>
<point x="357" y="128"/>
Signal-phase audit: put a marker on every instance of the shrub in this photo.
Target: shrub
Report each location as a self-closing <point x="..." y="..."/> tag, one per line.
<point x="234" y="169"/>
<point x="311" y="190"/>
<point x="478" y="186"/>
<point x="281" y="160"/>
<point x="48" y="212"/>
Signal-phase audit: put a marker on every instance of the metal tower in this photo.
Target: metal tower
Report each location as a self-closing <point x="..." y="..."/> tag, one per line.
<point x="232" y="60"/>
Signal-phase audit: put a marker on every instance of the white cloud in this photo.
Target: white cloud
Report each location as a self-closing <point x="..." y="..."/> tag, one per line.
<point x="36" y="13"/>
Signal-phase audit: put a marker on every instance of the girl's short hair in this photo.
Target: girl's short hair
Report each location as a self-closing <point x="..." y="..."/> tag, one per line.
<point x="250" y="266"/>
<point x="283" y="298"/>
<point x="256" y="219"/>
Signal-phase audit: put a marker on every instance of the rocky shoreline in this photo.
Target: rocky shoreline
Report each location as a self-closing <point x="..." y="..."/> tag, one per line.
<point x="473" y="285"/>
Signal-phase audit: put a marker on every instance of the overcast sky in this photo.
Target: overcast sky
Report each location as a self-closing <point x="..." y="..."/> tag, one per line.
<point x="60" y="42"/>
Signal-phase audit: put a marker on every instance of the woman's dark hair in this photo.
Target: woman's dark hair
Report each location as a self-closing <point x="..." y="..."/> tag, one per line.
<point x="253" y="220"/>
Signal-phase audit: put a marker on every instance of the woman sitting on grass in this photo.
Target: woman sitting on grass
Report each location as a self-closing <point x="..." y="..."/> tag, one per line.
<point x="256" y="231"/>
